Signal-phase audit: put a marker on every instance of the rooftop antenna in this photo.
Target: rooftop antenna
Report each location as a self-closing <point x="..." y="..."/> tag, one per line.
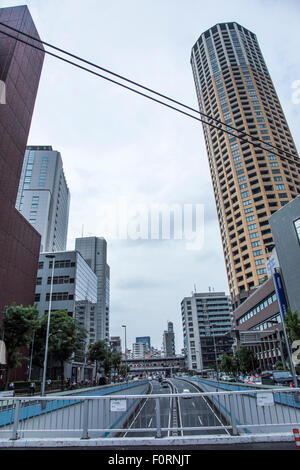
<point x="82" y="231"/>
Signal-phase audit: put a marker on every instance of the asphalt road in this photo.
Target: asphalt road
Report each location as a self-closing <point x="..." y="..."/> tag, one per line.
<point x="195" y="412"/>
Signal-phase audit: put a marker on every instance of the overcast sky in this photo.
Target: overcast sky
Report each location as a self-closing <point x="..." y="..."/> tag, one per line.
<point x="117" y="146"/>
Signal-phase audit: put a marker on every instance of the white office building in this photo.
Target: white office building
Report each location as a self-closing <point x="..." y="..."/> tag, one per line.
<point x="139" y="350"/>
<point x="43" y="196"/>
<point x="75" y="291"/>
<point x="206" y="319"/>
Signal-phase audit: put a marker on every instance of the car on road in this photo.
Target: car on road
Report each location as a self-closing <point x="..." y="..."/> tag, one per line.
<point x="254" y="380"/>
<point x="164" y="384"/>
<point x="277" y="377"/>
<point x="186" y="390"/>
<point x="228" y="378"/>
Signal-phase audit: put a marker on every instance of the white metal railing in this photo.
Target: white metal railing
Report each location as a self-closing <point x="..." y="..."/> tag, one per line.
<point x="199" y="414"/>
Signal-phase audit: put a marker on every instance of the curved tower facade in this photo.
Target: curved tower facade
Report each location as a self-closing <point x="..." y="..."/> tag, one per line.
<point x="250" y="182"/>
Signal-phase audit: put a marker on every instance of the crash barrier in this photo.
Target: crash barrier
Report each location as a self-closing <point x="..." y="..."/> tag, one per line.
<point x="252" y="408"/>
<point x="64" y="413"/>
<point x="201" y="413"/>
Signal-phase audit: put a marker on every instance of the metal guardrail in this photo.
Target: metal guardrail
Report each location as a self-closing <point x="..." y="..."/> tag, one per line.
<point x="203" y="413"/>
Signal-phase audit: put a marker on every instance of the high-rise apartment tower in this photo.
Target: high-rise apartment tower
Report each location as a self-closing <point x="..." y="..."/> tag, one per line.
<point x="250" y="182"/>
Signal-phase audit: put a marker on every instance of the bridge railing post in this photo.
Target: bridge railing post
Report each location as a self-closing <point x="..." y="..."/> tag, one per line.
<point x="232" y="403"/>
<point x="158" y="423"/>
<point x="14" y="436"/>
<point x="85" y="420"/>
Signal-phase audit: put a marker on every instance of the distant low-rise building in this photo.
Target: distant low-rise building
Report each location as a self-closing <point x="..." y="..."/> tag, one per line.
<point x="139" y="350"/>
<point x="144" y="339"/>
<point x="115" y="344"/>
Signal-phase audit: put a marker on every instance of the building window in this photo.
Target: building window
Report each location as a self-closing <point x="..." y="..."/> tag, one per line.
<point x="261" y="271"/>
<point x="297" y="228"/>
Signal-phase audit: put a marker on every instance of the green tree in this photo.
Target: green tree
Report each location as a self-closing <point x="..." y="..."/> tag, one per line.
<point x="100" y="353"/>
<point x="18" y="326"/>
<point x="246" y="359"/>
<point x="66" y="338"/>
<point x="226" y="363"/>
<point x="116" y="359"/>
<point x="292" y="321"/>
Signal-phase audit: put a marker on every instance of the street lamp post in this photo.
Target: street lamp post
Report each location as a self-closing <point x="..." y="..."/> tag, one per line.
<point x="48" y="327"/>
<point x="124" y="326"/>
<point x="216" y="358"/>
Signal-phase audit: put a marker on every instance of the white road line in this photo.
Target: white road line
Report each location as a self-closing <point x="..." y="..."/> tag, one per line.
<point x="200" y="420"/>
<point x="139" y="411"/>
<point x="207" y="403"/>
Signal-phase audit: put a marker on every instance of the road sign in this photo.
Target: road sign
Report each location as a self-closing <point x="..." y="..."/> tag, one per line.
<point x="118" y="405"/>
<point x="265" y="399"/>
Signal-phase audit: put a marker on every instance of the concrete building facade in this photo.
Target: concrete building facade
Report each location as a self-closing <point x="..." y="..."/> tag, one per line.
<point x="74" y="290"/>
<point x="285" y="226"/>
<point x="169" y="341"/>
<point x="205" y="316"/>
<point x="94" y="251"/>
<point x="257" y="320"/>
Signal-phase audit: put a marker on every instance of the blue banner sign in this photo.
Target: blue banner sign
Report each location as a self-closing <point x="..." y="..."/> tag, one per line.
<point x="280" y="293"/>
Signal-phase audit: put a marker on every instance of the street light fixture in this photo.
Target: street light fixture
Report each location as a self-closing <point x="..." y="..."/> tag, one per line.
<point x="48" y="328"/>
<point x="124" y="326"/>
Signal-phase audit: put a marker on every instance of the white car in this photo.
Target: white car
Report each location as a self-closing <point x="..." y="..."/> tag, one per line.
<point x="186" y="390"/>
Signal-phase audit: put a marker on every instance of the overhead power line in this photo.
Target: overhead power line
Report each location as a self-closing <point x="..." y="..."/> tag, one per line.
<point x="228" y="129"/>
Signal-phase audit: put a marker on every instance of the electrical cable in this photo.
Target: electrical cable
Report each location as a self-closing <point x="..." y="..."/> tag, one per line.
<point x="255" y="144"/>
<point x="256" y="139"/>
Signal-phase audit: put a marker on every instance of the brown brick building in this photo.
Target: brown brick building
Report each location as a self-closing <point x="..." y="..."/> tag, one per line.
<point x="20" y="69"/>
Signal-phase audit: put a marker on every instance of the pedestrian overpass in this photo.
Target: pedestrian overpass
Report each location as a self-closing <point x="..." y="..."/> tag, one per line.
<point x="134" y="414"/>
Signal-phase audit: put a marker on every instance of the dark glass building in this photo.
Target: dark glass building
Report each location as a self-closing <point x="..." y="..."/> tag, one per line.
<point x="20" y="69"/>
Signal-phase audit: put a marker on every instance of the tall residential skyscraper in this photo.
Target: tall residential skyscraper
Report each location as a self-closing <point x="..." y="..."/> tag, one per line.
<point x="250" y="183"/>
<point x="94" y="251"/>
<point x="43" y="196"/>
<point x="20" y="70"/>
